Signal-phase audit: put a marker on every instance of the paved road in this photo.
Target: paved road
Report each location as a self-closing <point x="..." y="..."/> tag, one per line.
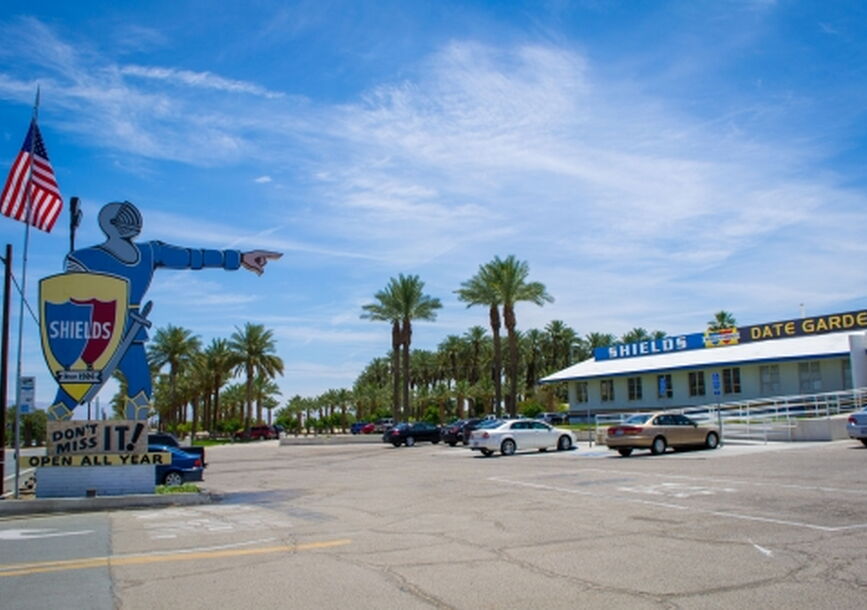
<point x="436" y="527"/>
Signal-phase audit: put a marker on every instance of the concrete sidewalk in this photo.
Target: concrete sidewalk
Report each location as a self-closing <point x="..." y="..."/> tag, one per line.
<point x="10" y="507"/>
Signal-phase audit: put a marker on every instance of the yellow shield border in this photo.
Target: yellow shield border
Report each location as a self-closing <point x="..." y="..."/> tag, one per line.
<point x="59" y="289"/>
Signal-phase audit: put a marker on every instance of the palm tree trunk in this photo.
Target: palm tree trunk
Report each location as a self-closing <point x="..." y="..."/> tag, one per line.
<point x="395" y="368"/>
<point x="407" y="339"/>
<point x="248" y="411"/>
<point x="511" y="323"/>
<point x="496" y="373"/>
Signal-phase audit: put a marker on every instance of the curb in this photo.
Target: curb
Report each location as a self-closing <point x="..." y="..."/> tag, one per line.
<point x="37" y="506"/>
<point x="336" y="439"/>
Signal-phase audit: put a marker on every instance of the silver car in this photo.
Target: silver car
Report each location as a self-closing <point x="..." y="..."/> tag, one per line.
<point x="857" y="425"/>
<point x="516" y="434"/>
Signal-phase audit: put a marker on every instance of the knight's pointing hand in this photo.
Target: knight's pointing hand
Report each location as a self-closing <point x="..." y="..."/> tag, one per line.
<point x="255" y="260"/>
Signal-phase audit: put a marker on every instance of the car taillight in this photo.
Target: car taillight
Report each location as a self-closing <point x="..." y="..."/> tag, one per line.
<point x="485" y="435"/>
<point x="197" y="463"/>
<point x="395" y="433"/>
<point x="614" y="430"/>
<point x="852" y="419"/>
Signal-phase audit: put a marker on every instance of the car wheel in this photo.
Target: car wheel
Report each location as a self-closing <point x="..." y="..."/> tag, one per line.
<point x="410" y="441"/>
<point x="487" y="452"/>
<point x="173" y="478"/>
<point x="864" y="441"/>
<point x="658" y="446"/>
<point x="508" y="447"/>
<point x="712" y="440"/>
<point x="452" y="443"/>
<point x="435" y="441"/>
<point x="625" y="452"/>
<point x="396" y="443"/>
<point x="564" y="443"/>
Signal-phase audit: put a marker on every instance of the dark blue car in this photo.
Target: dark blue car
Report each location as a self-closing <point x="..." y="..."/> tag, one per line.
<point x="185" y="467"/>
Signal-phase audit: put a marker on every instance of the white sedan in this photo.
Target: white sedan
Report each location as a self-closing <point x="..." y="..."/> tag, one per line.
<point x="857" y="425"/>
<point x="516" y="434"/>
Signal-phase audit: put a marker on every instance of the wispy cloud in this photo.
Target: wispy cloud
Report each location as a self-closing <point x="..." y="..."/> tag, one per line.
<point x="205" y="80"/>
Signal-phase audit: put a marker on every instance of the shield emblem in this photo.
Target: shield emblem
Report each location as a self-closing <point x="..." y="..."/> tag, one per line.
<point x="82" y="318"/>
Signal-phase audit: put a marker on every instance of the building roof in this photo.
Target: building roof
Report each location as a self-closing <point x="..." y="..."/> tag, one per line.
<point x="795" y="348"/>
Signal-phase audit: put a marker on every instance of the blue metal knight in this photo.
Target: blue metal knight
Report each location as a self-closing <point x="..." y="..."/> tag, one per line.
<point x="133" y="263"/>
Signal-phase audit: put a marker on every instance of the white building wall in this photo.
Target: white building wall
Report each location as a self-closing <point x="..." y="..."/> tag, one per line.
<point x="831" y="370"/>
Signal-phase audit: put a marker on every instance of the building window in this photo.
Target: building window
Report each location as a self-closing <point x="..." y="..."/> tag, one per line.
<point x="607" y="390"/>
<point x="581" y="391"/>
<point x="663" y="386"/>
<point x="696" y="383"/>
<point x="634" y="384"/>
<point x="847" y="374"/>
<point x="769" y="379"/>
<point x="731" y="381"/>
<point x="809" y="377"/>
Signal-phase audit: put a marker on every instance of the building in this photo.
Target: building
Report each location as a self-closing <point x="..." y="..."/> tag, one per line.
<point x="792" y="357"/>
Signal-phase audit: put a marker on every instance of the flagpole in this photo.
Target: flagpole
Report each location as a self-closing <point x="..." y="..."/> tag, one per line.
<point x="28" y="214"/>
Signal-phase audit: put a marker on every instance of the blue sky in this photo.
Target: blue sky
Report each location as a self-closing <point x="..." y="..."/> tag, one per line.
<point x="654" y="162"/>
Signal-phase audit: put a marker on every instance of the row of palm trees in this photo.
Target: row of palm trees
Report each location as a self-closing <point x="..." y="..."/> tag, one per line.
<point x="187" y="375"/>
<point x="499" y="285"/>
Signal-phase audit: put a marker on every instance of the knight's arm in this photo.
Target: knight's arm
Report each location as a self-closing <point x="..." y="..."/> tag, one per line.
<point x="176" y="257"/>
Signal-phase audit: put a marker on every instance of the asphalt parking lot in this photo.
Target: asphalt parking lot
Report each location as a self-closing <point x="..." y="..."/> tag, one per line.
<point x="431" y="526"/>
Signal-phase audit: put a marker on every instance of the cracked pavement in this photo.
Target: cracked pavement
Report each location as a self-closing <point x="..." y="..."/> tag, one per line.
<point x="370" y="525"/>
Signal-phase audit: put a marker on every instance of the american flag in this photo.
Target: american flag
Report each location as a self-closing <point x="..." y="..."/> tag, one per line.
<point x="31" y="181"/>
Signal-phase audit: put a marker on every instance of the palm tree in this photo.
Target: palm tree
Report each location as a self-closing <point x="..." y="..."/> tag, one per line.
<point x="512" y="287"/>
<point x="475" y="339"/>
<point x="594" y="340"/>
<point x="219" y="361"/>
<point x="265" y="392"/>
<point x="173" y="346"/>
<point x="721" y="321"/>
<point x="635" y="335"/>
<point x="401" y="302"/>
<point x="481" y="290"/>
<point x="253" y="349"/>
<point x="387" y="309"/>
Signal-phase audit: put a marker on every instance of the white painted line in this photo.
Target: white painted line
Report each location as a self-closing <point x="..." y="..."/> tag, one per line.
<point x="730" y="515"/>
<point x="716" y="480"/>
<point x="761" y="549"/>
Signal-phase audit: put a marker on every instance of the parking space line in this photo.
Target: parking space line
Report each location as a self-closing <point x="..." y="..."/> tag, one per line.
<point x="670" y="505"/>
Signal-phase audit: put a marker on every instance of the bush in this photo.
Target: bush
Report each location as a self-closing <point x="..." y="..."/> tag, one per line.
<point x="530" y="408"/>
<point x="432" y="415"/>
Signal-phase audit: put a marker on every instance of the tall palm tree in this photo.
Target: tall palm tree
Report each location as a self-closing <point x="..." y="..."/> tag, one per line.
<point x="721" y="321"/>
<point x="387" y="309"/>
<point x="401" y="302"/>
<point x="512" y="287"/>
<point x="414" y="305"/>
<point x="253" y="348"/>
<point x="176" y="347"/>
<point x="594" y="340"/>
<point x="481" y="290"/>
<point x="219" y="361"/>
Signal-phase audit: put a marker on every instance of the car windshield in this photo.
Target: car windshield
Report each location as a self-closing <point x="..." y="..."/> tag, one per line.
<point x="490" y="423"/>
<point x="641" y="418"/>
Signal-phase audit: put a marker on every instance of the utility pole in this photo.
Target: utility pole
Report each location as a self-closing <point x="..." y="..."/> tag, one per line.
<point x="4" y="359"/>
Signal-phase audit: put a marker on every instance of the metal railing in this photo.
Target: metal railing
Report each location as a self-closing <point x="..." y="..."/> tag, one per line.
<point x="772" y="418"/>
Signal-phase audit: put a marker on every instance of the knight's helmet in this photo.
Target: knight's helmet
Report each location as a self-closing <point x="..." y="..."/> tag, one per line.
<point x="120" y="219"/>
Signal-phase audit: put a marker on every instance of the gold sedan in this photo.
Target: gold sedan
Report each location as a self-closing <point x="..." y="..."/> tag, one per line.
<point x="658" y="431"/>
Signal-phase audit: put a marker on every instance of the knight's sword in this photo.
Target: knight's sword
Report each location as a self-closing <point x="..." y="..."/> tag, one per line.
<point x="139" y="321"/>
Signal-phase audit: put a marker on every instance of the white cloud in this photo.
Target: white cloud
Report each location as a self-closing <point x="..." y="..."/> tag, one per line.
<point x="205" y="80"/>
<point x="263" y="180"/>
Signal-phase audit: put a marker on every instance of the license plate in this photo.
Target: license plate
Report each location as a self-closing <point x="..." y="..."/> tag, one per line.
<point x="618" y="432"/>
